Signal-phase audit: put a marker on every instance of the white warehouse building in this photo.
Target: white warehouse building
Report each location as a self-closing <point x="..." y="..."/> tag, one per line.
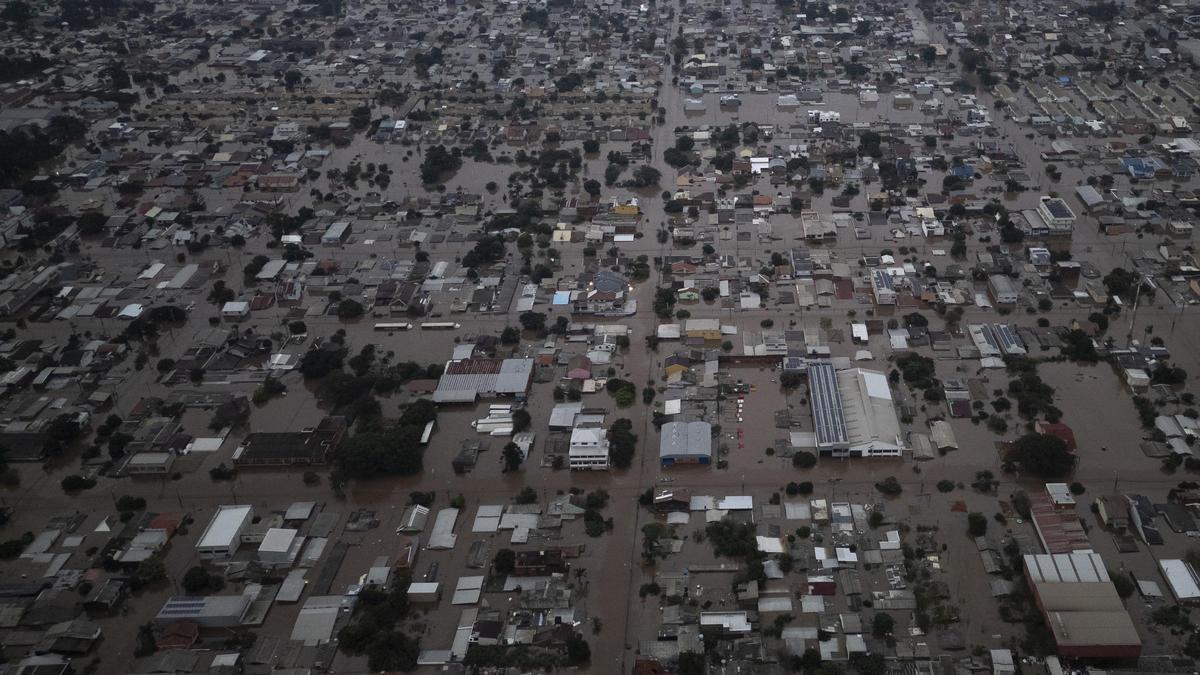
<point x="221" y="538"/>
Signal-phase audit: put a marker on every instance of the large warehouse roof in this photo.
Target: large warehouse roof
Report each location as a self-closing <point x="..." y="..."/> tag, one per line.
<point x="681" y="440"/>
<point x="465" y="379"/>
<point x="1081" y="605"/>
<point x="870" y="417"/>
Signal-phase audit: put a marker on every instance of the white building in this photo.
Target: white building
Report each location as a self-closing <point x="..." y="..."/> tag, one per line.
<point x="280" y="547"/>
<point x="589" y="449"/>
<point x="1003" y="290"/>
<point x="1056" y="212"/>
<point x="235" y="310"/>
<point x="853" y="413"/>
<point x="336" y="234"/>
<point x="224" y="532"/>
<point x="883" y="288"/>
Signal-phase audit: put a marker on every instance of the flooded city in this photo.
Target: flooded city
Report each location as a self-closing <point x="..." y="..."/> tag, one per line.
<point x="668" y="337"/>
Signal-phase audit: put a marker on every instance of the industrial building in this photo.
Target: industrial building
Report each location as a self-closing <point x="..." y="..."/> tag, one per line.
<point x="221" y="538"/>
<point x="210" y="611"/>
<point x="467" y="380"/>
<point x="996" y="339"/>
<point x="1002" y="290"/>
<point x="685" y="443"/>
<point x="1057" y="524"/>
<point x="280" y="547"/>
<point x="853" y="412"/>
<point x="292" y="448"/>
<point x="1182" y="578"/>
<point x="1081" y="606"/>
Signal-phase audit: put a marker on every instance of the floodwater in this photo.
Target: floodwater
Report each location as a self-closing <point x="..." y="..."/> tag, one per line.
<point x="1093" y="400"/>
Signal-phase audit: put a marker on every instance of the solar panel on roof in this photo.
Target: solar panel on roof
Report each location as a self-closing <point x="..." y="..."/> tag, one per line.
<point x="828" y="419"/>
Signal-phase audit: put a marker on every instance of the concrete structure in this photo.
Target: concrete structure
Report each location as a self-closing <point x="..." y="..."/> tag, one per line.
<point x="221" y="538"/>
<point x="1081" y="606"/>
<point x="588" y="449"/>
<point x="685" y="443"/>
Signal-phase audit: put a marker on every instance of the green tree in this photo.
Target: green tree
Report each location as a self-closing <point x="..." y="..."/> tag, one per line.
<point x="152" y="571"/>
<point x="197" y="580"/>
<point x="1124" y="585"/>
<point x="804" y="460"/>
<point x="977" y="524"/>
<point x="534" y="322"/>
<point x="882" y="625"/>
<point x="505" y="561"/>
<point x="578" y="651"/>
<point x="1042" y="455"/>
<point x="512" y="457"/>
<point x="349" y="309"/>
<point x="646" y="176"/>
<point x="17" y="12"/>
<point x="396" y="451"/>
<point x="692" y="663"/>
<point x="622" y="443"/>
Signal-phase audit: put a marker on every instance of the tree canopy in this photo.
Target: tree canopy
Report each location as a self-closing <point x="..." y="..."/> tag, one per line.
<point x="1043" y="455"/>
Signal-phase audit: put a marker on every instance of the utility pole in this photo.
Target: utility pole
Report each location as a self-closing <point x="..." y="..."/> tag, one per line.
<point x="1137" y="296"/>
